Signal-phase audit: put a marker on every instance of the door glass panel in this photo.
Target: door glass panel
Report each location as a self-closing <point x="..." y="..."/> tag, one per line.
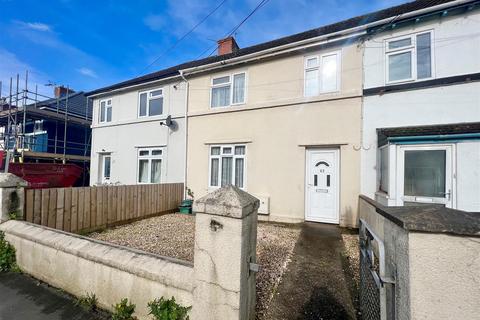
<point x="425" y="173"/>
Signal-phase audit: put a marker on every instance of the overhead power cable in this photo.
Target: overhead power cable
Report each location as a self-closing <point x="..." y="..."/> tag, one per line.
<point x="259" y="6"/>
<point x="183" y="37"/>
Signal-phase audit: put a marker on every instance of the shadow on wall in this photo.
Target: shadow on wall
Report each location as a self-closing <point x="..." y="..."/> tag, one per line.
<point x="349" y="218"/>
<point x="323" y="305"/>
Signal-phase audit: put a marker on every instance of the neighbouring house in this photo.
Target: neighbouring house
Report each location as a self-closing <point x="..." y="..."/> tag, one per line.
<point x="287" y="120"/>
<point x="138" y="131"/>
<point x="421" y="113"/>
<point x="50" y="131"/>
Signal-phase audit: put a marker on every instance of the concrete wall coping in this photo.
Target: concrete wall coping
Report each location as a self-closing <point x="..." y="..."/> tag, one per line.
<point x="140" y="263"/>
<point x="229" y="201"/>
<point x="9" y="180"/>
<point x="430" y="218"/>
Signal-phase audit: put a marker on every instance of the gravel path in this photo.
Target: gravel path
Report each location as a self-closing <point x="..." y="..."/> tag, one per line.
<point x="172" y="235"/>
<point x="353" y="255"/>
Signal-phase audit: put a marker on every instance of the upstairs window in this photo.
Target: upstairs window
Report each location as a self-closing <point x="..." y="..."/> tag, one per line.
<point x="409" y="58"/>
<point x="149" y="165"/>
<point x="227" y="165"/>
<point x="228" y="90"/>
<point x="322" y="74"/>
<point x="106" y="110"/>
<point x="150" y="103"/>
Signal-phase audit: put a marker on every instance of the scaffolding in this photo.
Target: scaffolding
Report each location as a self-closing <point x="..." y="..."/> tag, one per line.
<point x="20" y="107"/>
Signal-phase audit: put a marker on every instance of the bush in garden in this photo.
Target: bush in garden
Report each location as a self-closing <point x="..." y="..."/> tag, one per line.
<point x="7" y="255"/>
<point x="168" y="309"/>
<point x="123" y="310"/>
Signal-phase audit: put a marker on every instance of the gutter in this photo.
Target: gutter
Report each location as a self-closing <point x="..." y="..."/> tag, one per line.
<point x="436" y="137"/>
<point x="132" y="86"/>
<point x="326" y="38"/>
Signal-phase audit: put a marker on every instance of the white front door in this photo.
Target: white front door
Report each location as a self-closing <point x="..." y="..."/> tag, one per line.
<point x="425" y="174"/>
<point x="322" y="185"/>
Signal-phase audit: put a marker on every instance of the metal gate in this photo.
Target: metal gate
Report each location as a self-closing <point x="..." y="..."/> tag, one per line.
<point x="373" y="291"/>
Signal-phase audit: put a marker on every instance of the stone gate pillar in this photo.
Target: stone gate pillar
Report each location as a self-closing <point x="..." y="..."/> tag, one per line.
<point x="225" y="255"/>
<point x="12" y="196"/>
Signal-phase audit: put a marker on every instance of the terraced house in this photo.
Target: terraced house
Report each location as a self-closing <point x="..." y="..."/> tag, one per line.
<point x="304" y="122"/>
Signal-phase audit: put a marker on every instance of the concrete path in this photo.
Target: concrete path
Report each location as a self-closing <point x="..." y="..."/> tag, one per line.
<point x="22" y="298"/>
<point x="315" y="285"/>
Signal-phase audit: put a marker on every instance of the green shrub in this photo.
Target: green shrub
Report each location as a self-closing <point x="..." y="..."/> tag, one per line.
<point x="123" y="310"/>
<point x="7" y="255"/>
<point x="168" y="309"/>
<point x="88" y="301"/>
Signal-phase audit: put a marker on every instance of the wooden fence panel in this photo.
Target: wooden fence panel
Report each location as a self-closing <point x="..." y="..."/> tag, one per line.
<point x="85" y="209"/>
<point x="37" y="206"/>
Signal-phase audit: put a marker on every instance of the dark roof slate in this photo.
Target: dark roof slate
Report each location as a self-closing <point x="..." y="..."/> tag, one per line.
<point x="76" y="105"/>
<point x="324" y="30"/>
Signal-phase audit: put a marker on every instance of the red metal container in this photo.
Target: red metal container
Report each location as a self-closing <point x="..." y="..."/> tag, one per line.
<point x="46" y="175"/>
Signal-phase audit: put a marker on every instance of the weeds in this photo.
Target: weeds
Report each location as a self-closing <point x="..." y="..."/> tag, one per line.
<point x="7" y="255"/>
<point x="88" y="302"/>
<point x="123" y="310"/>
<point x="168" y="309"/>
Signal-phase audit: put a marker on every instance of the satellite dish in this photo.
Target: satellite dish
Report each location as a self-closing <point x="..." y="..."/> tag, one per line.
<point x="168" y="121"/>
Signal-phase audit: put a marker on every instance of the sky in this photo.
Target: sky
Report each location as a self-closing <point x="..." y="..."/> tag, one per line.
<point x="88" y="44"/>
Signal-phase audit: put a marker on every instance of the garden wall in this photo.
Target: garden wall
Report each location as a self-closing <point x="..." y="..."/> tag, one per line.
<point x="81" y="265"/>
<point x="220" y="285"/>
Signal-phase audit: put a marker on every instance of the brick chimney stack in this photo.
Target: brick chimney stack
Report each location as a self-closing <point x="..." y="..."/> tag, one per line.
<point x="62" y="91"/>
<point x="227" y="45"/>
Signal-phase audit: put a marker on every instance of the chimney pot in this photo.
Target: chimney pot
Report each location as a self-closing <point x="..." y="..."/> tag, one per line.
<point x="227" y="45"/>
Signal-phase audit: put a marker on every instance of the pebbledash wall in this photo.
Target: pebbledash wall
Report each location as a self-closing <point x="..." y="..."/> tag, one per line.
<point x="454" y="52"/>
<point x="127" y="133"/>
<point x="220" y="285"/>
<point x="278" y="124"/>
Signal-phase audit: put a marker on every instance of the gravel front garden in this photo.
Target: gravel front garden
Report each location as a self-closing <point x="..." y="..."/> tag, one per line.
<point x="172" y="235"/>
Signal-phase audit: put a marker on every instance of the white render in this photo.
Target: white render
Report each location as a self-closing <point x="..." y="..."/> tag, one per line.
<point x="456" y="48"/>
<point x="127" y="132"/>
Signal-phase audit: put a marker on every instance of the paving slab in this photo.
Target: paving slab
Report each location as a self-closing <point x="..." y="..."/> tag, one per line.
<point x="316" y="284"/>
<point x="22" y="297"/>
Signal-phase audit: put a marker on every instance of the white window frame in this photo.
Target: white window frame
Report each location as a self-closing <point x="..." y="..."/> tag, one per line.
<point x="379" y="171"/>
<point x="105" y="113"/>
<point x="412" y="48"/>
<point x="230" y="83"/>
<point x="150" y="157"/>
<point x="233" y="156"/>
<point x="320" y="58"/>
<point x="103" y="157"/>
<point x="147" y="114"/>
<point x="450" y="174"/>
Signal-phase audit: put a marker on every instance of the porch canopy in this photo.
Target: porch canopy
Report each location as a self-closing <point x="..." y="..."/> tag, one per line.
<point x="429" y="134"/>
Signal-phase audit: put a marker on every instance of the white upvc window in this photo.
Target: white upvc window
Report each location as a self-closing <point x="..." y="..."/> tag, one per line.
<point x="105" y="110"/>
<point x="149" y="165"/>
<point x="228" y="90"/>
<point x="384" y="168"/>
<point x="409" y="58"/>
<point x="105" y="167"/>
<point x="322" y="73"/>
<point x="150" y="103"/>
<point x="227" y="165"/>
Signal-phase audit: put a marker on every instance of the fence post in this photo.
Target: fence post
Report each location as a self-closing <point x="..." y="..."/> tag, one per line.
<point x="225" y="254"/>
<point x="12" y="196"/>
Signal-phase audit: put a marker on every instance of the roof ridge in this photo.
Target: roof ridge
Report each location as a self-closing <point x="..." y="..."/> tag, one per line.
<point x="326" y="29"/>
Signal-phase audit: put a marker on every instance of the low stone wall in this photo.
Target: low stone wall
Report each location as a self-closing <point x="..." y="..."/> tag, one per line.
<point x="433" y="255"/>
<point x="219" y="286"/>
<point x="81" y="265"/>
